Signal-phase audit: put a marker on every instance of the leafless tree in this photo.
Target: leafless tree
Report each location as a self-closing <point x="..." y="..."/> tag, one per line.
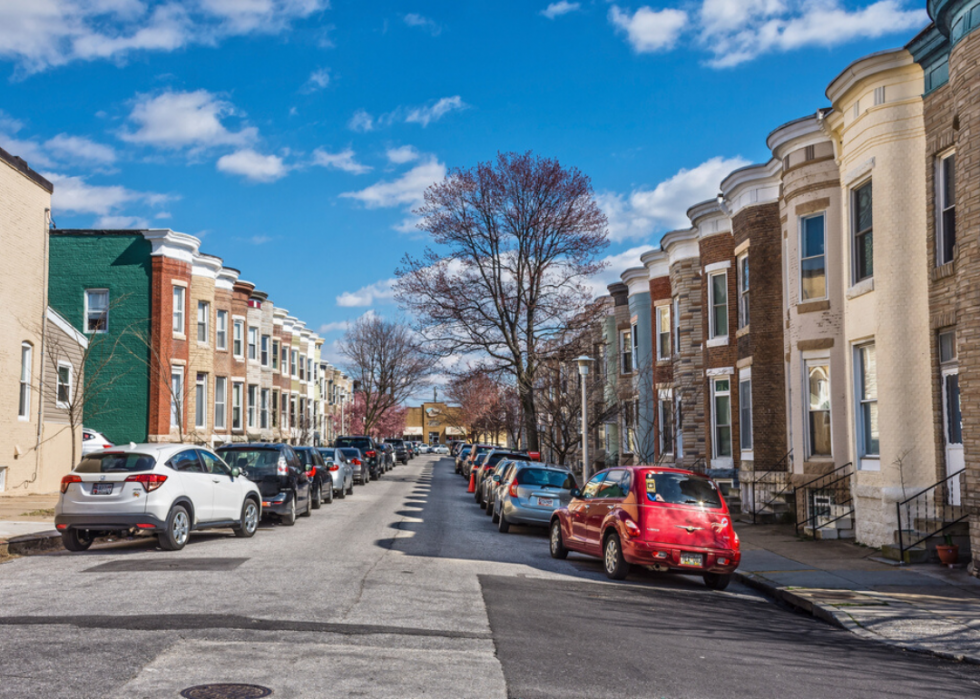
<point x="516" y="238"/>
<point x="161" y="362"/>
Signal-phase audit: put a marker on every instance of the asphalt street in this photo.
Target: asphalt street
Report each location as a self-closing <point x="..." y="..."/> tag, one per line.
<point x="406" y="589"/>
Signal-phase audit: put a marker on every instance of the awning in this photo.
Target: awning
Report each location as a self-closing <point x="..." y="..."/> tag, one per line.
<point x="454" y="431"/>
<point x="412" y="431"/>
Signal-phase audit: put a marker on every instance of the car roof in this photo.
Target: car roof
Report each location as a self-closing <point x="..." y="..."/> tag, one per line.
<point x="160" y="450"/>
<point x="255" y="445"/>
<point x="658" y="469"/>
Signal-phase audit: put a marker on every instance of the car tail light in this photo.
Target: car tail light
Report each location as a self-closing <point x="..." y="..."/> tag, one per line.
<point x="356" y="462"/>
<point x="632" y="529"/>
<point x="146" y="526"/>
<point x="310" y="474"/>
<point x="334" y="467"/>
<point x="149" y="481"/>
<point x="68" y="480"/>
<point x="61" y="527"/>
<point x="723" y="561"/>
<point x="513" y="489"/>
<point x="282" y="468"/>
<point x="370" y="454"/>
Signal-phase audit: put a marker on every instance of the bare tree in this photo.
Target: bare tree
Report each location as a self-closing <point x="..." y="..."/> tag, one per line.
<point x="518" y="239"/>
<point x="161" y="364"/>
<point x="387" y="362"/>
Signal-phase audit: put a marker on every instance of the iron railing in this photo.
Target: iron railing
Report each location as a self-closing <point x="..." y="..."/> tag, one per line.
<point x="768" y="486"/>
<point x="826" y="499"/>
<point x="930" y="507"/>
<point x="700" y="466"/>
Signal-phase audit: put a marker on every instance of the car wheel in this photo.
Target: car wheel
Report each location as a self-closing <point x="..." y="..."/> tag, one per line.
<point x="309" y="503"/>
<point x="77" y="539"/>
<point x="488" y="507"/>
<point x="350" y="488"/>
<point x="616" y="566"/>
<point x="342" y="493"/>
<point x="503" y="526"/>
<point x="329" y="497"/>
<point x="316" y="497"/>
<point x="558" y="549"/>
<point x="717" y="581"/>
<point x="178" y="529"/>
<point x="289" y="519"/>
<point x="495" y="517"/>
<point x="250" y="519"/>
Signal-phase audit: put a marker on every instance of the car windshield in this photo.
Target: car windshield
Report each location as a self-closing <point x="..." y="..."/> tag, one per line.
<point x="545" y="478"/>
<point x="116" y="463"/>
<point x="681" y="489"/>
<point x="252" y="462"/>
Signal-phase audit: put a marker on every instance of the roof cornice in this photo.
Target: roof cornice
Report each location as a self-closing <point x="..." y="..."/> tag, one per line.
<point x="864" y="68"/>
<point x="168" y="243"/>
<point x="751" y="186"/>
<point x="796" y="134"/>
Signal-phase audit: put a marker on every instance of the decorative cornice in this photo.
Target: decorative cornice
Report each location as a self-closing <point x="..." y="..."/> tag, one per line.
<point x="637" y="279"/>
<point x="796" y="134"/>
<point x="681" y="245"/>
<point x="864" y="68"/>
<point x="656" y="263"/>
<point x="206" y="266"/>
<point x="710" y="217"/>
<point x="168" y="243"/>
<point x="752" y="185"/>
<point x="226" y="278"/>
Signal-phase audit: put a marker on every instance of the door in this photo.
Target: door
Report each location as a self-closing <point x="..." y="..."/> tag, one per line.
<point x="197" y="483"/>
<point x="579" y="509"/>
<point x="228" y="492"/>
<point x="611" y="492"/>
<point x="953" y="431"/>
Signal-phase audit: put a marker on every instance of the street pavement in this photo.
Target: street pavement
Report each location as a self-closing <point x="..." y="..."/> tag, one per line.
<point x="406" y="589"/>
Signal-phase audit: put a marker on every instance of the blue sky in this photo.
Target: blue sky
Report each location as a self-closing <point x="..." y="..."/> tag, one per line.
<point x="295" y="136"/>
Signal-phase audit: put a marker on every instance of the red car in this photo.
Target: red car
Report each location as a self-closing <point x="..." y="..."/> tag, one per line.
<point x="660" y="518"/>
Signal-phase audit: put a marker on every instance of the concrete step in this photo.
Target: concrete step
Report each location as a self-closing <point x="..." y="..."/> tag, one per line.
<point x="931" y="525"/>
<point x="917" y="554"/>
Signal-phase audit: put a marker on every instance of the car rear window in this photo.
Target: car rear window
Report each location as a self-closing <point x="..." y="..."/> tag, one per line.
<point x="116" y="463"/>
<point x="327" y="453"/>
<point x="545" y="477"/>
<point x="681" y="489"/>
<point x="252" y="462"/>
<point x="351" y="453"/>
<point x="306" y="456"/>
<point x="356" y="442"/>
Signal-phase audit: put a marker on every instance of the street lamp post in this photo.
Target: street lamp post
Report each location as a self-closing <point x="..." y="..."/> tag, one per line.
<point x="583" y="370"/>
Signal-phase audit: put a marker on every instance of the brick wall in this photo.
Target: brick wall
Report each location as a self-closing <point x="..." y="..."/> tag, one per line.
<point x="688" y="367"/>
<point x="169" y="350"/>
<point x="660" y="295"/>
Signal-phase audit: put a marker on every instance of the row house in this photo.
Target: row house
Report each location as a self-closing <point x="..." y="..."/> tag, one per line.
<point x="809" y="339"/>
<point x="191" y="351"/>
<point x="336" y="396"/>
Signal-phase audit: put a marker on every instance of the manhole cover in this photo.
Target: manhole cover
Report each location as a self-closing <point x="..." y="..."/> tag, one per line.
<point x="226" y="691"/>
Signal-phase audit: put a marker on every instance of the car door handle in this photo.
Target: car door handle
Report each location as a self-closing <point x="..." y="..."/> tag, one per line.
<point x="609" y="507"/>
<point x="215" y="480"/>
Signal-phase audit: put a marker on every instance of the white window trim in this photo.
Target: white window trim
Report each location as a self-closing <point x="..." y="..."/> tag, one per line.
<point x="739" y="276"/>
<point x="852" y="236"/>
<point x="670" y="341"/>
<point x="252" y="407"/>
<point x="940" y="180"/>
<point x="217" y="326"/>
<point x="866" y="462"/>
<point x="675" y="319"/>
<point x="267" y="339"/>
<point x="814" y="357"/>
<point x="224" y="403"/>
<point x="201" y="419"/>
<point x="666" y="397"/>
<point x="207" y="323"/>
<point x="237" y="322"/>
<point x="745" y="374"/>
<point x="717" y="266"/>
<point x="85" y="326"/>
<point x="622" y="352"/>
<point x="26" y="367"/>
<point x="250" y="332"/>
<point x="57" y="385"/>
<point x="265" y="395"/>
<point x="294" y="364"/>
<point x="799" y="236"/>
<point x="716" y="340"/>
<point x="241" y="408"/>
<point x="175" y="401"/>
<point x="716" y="460"/>
<point x="180" y="333"/>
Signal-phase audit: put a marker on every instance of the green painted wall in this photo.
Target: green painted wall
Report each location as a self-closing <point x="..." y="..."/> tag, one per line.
<point x="119" y="403"/>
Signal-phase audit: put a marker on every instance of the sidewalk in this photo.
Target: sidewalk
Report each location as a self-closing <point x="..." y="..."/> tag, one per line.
<point x="925" y="607"/>
<point x="27" y="522"/>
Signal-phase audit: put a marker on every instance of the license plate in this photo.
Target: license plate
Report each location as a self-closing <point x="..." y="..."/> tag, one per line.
<point x="691" y="559"/>
<point x="102" y="489"/>
<point x="546" y="502"/>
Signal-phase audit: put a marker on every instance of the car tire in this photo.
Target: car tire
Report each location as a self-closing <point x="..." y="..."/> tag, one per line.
<point x="289" y="519"/>
<point x="495" y="518"/>
<point x="557" y="542"/>
<point x="613" y="562"/>
<point x="340" y="494"/>
<point x="717" y="581"/>
<point x="77" y="539"/>
<point x="488" y="508"/>
<point x="316" y="496"/>
<point x="177" y="531"/>
<point x="503" y="526"/>
<point x="350" y="489"/>
<point x="250" y="519"/>
<point x="309" y="503"/>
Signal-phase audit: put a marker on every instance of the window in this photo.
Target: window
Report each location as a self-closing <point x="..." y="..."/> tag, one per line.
<point x="237" y="338"/>
<point x="96" y="310"/>
<point x="220" y="402"/>
<point x="309" y="369"/>
<point x="666" y="419"/>
<point x="293" y="354"/>
<point x="946" y="208"/>
<point x="813" y="262"/>
<point x="201" y="401"/>
<point x="865" y="364"/>
<point x="63" y="388"/>
<point x="236" y="406"/>
<point x="743" y="291"/>
<point x="275" y="408"/>
<point x="302" y="368"/>
<point x="252" y="404"/>
<point x="176" y="395"/>
<point x="818" y="408"/>
<point x="253" y="342"/>
<point x="24" y="405"/>
<point x="745" y="413"/>
<point x="947" y="346"/>
<point x="626" y="351"/>
<point x="275" y="355"/>
<point x="292" y="411"/>
<point x="221" y="332"/>
<point x="203" y="315"/>
<point x="264" y="415"/>
<point x="285" y="410"/>
<point x="663" y="332"/>
<point x="285" y="360"/>
<point x="179" y="294"/>
<point x="863" y="253"/>
<point x="718" y="290"/>
<point x="879" y="95"/>
<point x="722" y="417"/>
<point x="265" y="350"/>
<point x="677" y="326"/>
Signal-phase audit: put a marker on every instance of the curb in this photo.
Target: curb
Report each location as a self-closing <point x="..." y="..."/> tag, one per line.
<point x="30" y="544"/>
<point x="841" y="619"/>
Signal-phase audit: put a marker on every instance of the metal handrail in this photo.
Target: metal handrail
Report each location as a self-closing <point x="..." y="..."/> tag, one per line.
<point x="762" y="479"/>
<point x="924" y="503"/>
<point x="831" y="486"/>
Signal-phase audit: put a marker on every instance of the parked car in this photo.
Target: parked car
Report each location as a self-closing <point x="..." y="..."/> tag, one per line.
<point x="476" y="456"/>
<point x="503" y="470"/>
<point x="464" y="454"/>
<point x="279" y="474"/>
<point x="401" y="448"/>
<point x="416" y="448"/>
<point x="388" y="453"/>
<point x="662" y="518"/>
<point x="93" y="441"/>
<point x="441" y="450"/>
<point x="321" y="482"/>
<point x="341" y="471"/>
<point x="530" y="494"/>
<point x="487" y="467"/>
<point x="369" y="452"/>
<point x="357" y="462"/>
<point x="425" y="449"/>
<point x="165" y="489"/>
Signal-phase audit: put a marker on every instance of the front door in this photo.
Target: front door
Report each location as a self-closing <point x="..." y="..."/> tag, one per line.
<point x="953" y="431"/>
<point x="580" y="508"/>
<point x="613" y="490"/>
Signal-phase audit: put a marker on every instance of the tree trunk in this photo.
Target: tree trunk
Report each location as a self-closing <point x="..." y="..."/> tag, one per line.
<point x="530" y="418"/>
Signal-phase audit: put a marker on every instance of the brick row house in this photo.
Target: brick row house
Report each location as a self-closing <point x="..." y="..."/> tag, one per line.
<point x="811" y="339"/>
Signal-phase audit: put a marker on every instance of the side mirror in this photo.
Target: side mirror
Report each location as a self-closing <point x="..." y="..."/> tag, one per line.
<point x="576" y="493"/>
<point x="236" y="472"/>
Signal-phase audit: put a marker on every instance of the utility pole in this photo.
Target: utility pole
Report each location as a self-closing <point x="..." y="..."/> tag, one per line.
<point x="583" y="371"/>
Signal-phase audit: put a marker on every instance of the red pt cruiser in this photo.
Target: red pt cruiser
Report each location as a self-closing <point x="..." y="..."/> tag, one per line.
<point x="660" y="518"/>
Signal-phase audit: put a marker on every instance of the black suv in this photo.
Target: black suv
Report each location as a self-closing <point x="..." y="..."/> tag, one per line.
<point x="321" y="481"/>
<point x="279" y="474"/>
<point x="401" y="448"/>
<point x="369" y="450"/>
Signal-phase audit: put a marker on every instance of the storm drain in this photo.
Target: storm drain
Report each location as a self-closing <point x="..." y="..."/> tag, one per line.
<point x="154" y="565"/>
<point x="226" y="691"/>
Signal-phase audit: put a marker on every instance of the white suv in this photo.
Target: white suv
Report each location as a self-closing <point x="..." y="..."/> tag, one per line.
<point x="166" y="489"/>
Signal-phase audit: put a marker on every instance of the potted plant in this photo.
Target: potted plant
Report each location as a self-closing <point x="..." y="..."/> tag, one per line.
<point x="948" y="552"/>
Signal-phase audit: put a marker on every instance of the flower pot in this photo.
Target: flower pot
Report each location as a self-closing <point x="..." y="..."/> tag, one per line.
<point x="948" y="554"/>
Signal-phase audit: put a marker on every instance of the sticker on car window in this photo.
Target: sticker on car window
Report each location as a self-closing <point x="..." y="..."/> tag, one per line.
<point x="651" y="483"/>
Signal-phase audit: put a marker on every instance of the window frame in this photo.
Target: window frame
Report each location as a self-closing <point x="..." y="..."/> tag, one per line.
<point x="676" y="320"/>
<point x="221" y="331"/>
<point x="237" y="398"/>
<point x="665" y="438"/>
<point x="26" y="368"/>
<point x="105" y="314"/>
<point x="176" y="410"/>
<point x="742" y="288"/>
<point x="275" y="354"/>
<point x="715" y="425"/>
<point x="201" y="401"/>
<point x="206" y="307"/>
<point x="179" y="310"/>
<point x="626" y="350"/>
<point x="714" y="306"/>
<point x="861" y="428"/>
<point x="264" y="408"/>
<point x="64" y="404"/>
<point x="265" y="342"/>
<point x="238" y="338"/>
<point x="661" y="333"/>
<point x="807" y="411"/>
<point x="293" y="359"/>
<point x="745" y="426"/>
<point x="252" y="343"/>
<point x="942" y="206"/>
<point x="802" y="237"/>
<point x="251" y="408"/>
<point x="855" y="233"/>
<point x="223" y="402"/>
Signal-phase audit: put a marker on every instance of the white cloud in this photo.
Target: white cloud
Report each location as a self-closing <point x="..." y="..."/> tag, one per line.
<point x="615" y="266"/>
<point x="185" y="119"/>
<point x="435" y="112"/>
<point x="361" y="121"/>
<point x="75" y="195"/>
<point x="116" y="222"/>
<point x="649" y="30"/>
<point x="647" y="211"/>
<point x="253" y="165"/>
<point x="318" y="80"/>
<point x="557" y="9"/>
<point x="406" y="190"/>
<point x="343" y="325"/>
<point x="367" y="295"/>
<point x="417" y="20"/>
<point x="402" y="155"/>
<point x="344" y="160"/>
<point x="79" y="149"/>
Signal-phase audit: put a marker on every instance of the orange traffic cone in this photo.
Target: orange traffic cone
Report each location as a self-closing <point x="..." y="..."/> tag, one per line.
<point x="472" y="488"/>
